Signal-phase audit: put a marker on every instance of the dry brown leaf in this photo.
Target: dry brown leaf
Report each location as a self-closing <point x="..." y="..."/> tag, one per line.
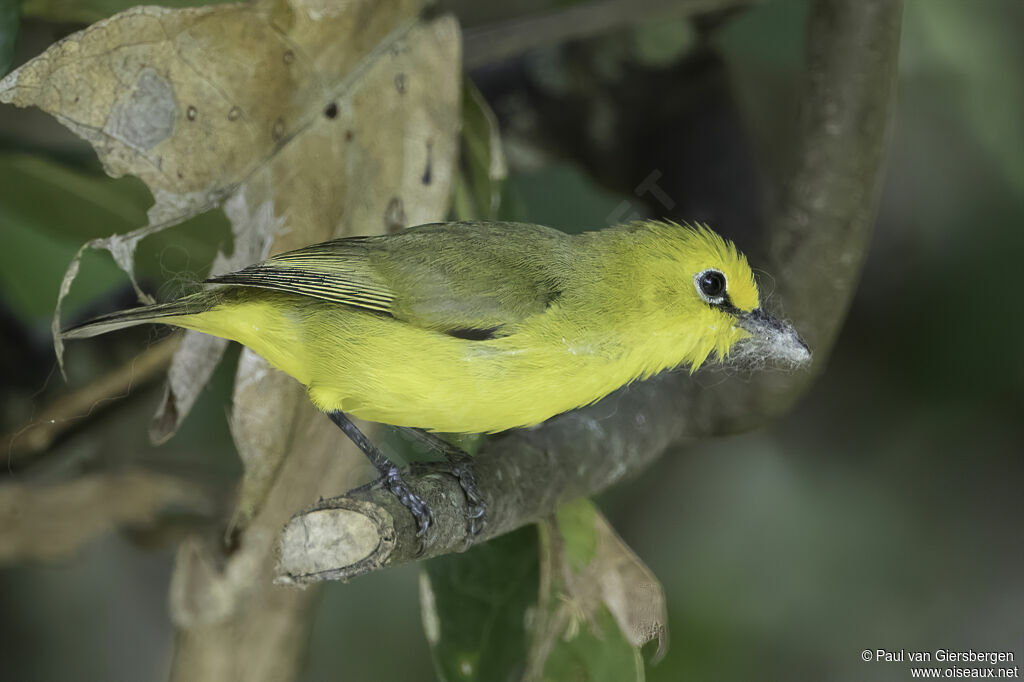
<point x="199" y="354"/>
<point x="262" y="449"/>
<point x="192" y="101"/>
<point x="586" y="567"/>
<point x="628" y="588"/>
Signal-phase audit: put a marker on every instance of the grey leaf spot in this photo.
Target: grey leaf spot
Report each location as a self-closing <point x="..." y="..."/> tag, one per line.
<point x="144" y="116"/>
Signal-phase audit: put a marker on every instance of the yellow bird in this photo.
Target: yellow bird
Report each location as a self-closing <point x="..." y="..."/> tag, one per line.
<point x="480" y="327"/>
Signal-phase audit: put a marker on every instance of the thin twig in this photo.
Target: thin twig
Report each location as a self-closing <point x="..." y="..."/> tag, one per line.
<point x="493" y="43"/>
<point x="49" y="521"/>
<point x="68" y="411"/>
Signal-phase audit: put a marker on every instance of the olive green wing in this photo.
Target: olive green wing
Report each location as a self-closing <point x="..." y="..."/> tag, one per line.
<point x="337" y="271"/>
<point x="466" y="279"/>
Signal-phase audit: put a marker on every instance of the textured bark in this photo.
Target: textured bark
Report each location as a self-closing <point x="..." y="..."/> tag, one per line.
<point x="815" y="247"/>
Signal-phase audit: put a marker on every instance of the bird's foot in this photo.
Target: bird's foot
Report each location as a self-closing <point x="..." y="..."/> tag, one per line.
<point x="476" y="508"/>
<point x="420" y="510"/>
<point x="458" y="463"/>
<point x="461" y="468"/>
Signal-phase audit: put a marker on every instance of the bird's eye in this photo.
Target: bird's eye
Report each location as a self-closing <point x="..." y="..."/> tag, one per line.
<point x="711" y="285"/>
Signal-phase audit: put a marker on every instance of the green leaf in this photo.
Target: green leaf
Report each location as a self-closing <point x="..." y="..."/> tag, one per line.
<point x="475" y="608"/>
<point x="482" y="167"/>
<point x="575" y="604"/>
<point x="89" y="11"/>
<point x="46" y="210"/>
<point x="575" y="522"/>
<point x="9" y="20"/>
<point x="594" y="652"/>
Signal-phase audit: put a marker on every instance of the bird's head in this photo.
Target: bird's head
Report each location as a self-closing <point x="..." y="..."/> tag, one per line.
<point x="717" y="304"/>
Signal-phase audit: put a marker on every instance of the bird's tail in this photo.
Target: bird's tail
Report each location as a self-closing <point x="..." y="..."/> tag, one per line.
<point x="158" y="312"/>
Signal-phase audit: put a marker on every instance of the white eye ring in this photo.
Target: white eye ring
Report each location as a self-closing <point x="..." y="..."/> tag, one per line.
<point x="711" y="285"/>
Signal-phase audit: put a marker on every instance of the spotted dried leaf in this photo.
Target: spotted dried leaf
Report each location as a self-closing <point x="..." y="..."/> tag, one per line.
<point x="307" y="119"/>
<point x="202" y="102"/>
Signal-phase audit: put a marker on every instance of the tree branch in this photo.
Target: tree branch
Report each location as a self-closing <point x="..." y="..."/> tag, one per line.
<point x="815" y="247"/>
<point x="501" y="40"/>
<point x="44" y="522"/>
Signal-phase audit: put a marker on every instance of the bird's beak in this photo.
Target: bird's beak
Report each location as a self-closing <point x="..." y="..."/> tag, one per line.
<point x="771" y="339"/>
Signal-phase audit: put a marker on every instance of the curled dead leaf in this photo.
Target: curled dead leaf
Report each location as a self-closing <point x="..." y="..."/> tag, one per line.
<point x="591" y="578"/>
<point x="199" y="354"/>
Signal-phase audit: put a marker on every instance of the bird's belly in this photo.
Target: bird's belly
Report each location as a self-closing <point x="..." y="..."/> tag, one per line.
<point x="439" y="383"/>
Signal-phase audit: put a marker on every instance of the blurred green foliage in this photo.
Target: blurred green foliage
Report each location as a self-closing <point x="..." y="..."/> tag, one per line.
<point x="560" y="195"/>
<point x="597" y="652"/>
<point x="9" y="19"/>
<point x="43" y="207"/>
<point x="883" y="512"/>
<point x="49" y="210"/>
<point x="530" y="602"/>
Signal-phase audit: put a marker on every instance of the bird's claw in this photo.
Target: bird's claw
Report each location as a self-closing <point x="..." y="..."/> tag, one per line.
<point x="462" y="470"/>
<point x="476" y="508"/>
<point x="414" y="503"/>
